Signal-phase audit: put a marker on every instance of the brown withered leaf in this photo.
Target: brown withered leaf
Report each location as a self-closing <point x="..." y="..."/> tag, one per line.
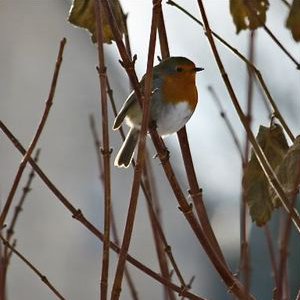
<point x="82" y="14"/>
<point x="288" y="173"/>
<point x="256" y="185"/>
<point x="248" y="14"/>
<point x="293" y="20"/>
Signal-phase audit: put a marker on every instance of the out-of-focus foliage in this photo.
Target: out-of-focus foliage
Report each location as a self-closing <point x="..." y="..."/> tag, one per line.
<point x="289" y="172"/>
<point x="248" y="14"/>
<point x="293" y="20"/>
<point x="252" y="14"/>
<point x="274" y="145"/>
<point x="82" y="14"/>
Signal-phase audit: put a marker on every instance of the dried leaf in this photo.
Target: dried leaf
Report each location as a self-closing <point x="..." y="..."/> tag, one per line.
<point x="256" y="185"/>
<point x="293" y="20"/>
<point x="288" y="173"/>
<point x="82" y="14"/>
<point x="243" y="13"/>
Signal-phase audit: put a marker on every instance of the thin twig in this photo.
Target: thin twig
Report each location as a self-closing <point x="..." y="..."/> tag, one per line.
<point x="196" y="193"/>
<point x="140" y="157"/>
<point x="78" y="215"/>
<point x="270" y="33"/>
<point x="228" y="124"/>
<point x="189" y="285"/>
<point x="271" y="253"/>
<point x="286" y="3"/>
<point x="283" y="257"/>
<point x="126" y="35"/>
<point x="244" y="247"/>
<point x="36" y="136"/>
<point x="32" y="267"/>
<point x="263" y="85"/>
<point x="97" y="145"/>
<point x="263" y="96"/>
<point x="161" y="244"/>
<point x="264" y="163"/>
<point x="105" y="151"/>
<point x="19" y="206"/>
<point x="280" y="45"/>
<point x="10" y="231"/>
<point x="163" y="40"/>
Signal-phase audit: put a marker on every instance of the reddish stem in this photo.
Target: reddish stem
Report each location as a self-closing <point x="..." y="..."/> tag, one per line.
<point x="36" y="136"/>
<point x="105" y="151"/>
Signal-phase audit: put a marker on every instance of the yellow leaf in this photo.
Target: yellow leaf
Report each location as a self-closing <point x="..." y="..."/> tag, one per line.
<point x="248" y="14"/>
<point x="293" y="20"/>
<point x="82" y="14"/>
<point x="288" y="173"/>
<point x="256" y="185"/>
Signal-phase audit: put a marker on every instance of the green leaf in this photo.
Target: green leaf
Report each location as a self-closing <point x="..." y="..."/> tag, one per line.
<point x="293" y="20"/>
<point x="256" y="185"/>
<point x="82" y="14"/>
<point x="248" y="14"/>
<point x="288" y="173"/>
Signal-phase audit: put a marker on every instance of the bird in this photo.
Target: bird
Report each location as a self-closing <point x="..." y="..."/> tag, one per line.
<point x="173" y="100"/>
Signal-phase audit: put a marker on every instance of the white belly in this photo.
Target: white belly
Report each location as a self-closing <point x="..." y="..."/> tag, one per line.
<point x="173" y="118"/>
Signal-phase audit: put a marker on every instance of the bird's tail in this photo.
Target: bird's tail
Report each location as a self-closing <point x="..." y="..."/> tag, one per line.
<point x="125" y="154"/>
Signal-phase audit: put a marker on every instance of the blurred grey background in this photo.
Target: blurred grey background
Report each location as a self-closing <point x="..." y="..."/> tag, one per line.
<point x="58" y="245"/>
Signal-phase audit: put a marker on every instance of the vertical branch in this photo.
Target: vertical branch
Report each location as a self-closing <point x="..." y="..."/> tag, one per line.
<point x="157" y="232"/>
<point x="283" y="257"/>
<point x="36" y="136"/>
<point x="161" y="244"/>
<point x="113" y="222"/>
<point x="127" y="41"/>
<point x="140" y="156"/>
<point x="272" y="253"/>
<point x="105" y="152"/>
<point x="232" y="283"/>
<point x="244" y="248"/>
<point x="227" y="122"/>
<point x="195" y="191"/>
<point x="163" y="39"/>
<point x="264" y="163"/>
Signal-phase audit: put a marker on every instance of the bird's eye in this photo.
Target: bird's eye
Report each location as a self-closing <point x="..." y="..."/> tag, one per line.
<point x="179" y="69"/>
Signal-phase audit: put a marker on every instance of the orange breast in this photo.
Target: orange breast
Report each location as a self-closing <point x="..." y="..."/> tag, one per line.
<point x="180" y="87"/>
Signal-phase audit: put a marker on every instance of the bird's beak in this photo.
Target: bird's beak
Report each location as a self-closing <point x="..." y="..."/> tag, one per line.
<point x="196" y="69"/>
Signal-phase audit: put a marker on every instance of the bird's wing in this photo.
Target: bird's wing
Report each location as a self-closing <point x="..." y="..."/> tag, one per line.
<point x="131" y="99"/>
<point x="123" y="111"/>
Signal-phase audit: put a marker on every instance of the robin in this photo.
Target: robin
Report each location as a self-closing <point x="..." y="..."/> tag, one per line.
<point x="173" y="100"/>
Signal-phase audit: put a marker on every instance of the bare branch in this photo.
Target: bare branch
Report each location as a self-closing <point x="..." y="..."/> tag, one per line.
<point x="36" y="136"/>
